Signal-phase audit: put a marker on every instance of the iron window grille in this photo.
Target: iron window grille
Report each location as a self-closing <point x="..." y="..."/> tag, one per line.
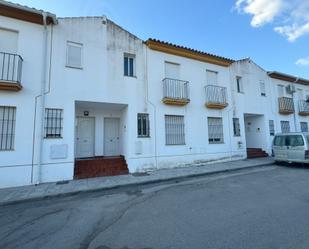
<point x="129" y="65"/>
<point x="285" y="126"/>
<point x="53" y="123"/>
<point x="143" y="125"/>
<point x="7" y="127"/>
<point x="271" y="128"/>
<point x="236" y="127"/>
<point x="174" y="130"/>
<point x="304" y="126"/>
<point x="215" y="130"/>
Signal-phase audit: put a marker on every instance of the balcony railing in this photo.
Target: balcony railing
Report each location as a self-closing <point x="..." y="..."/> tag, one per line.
<point x="10" y="71"/>
<point x="216" y="97"/>
<point x="303" y="107"/>
<point x="286" y="105"/>
<point x="175" y="92"/>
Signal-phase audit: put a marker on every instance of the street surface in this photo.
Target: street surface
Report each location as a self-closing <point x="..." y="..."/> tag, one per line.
<point x="261" y="208"/>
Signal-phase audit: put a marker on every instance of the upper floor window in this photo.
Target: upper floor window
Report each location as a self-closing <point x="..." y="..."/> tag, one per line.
<point x="9" y="40"/>
<point x="281" y="91"/>
<point x="74" y="55"/>
<point x="285" y="126"/>
<point x="262" y="88"/>
<point x="143" y="125"/>
<point x="212" y="77"/>
<point x="304" y="126"/>
<point x="129" y="65"/>
<point x="239" y="84"/>
<point x="53" y="123"/>
<point x="172" y="70"/>
<point x="7" y="127"/>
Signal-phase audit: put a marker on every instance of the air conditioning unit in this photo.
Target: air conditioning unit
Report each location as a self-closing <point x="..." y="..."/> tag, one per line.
<point x="291" y="88"/>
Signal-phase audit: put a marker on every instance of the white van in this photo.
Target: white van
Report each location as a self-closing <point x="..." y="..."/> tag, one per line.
<point x="291" y="147"/>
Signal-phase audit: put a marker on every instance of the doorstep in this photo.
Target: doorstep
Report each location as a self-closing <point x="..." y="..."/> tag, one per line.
<point x="66" y="188"/>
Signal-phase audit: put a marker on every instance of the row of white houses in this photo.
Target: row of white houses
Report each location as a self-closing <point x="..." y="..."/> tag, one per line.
<point x="83" y="87"/>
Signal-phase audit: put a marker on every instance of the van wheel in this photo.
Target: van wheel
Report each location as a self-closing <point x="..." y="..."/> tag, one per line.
<point x="279" y="163"/>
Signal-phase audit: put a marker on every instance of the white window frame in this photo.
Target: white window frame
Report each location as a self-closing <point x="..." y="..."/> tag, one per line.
<point x="239" y="84"/>
<point x="271" y="124"/>
<point x="175" y="130"/>
<point x="263" y="88"/>
<point x="143" y="117"/>
<point x="7" y="128"/>
<point x="78" y="45"/>
<point x="129" y="56"/>
<point x="302" y="124"/>
<point x="236" y="127"/>
<point x="215" y="134"/>
<point x="53" y="126"/>
<point x="282" y="124"/>
<point x="216" y="77"/>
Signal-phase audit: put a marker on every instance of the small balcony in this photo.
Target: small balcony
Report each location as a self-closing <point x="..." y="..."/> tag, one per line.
<point x="303" y="107"/>
<point x="286" y="105"/>
<point x="10" y="71"/>
<point x="216" y="97"/>
<point x="175" y="92"/>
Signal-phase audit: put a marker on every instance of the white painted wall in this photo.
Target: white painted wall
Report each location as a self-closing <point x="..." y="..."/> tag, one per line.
<point x="101" y="88"/>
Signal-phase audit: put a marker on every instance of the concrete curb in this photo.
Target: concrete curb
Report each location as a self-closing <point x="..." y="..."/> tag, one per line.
<point x="126" y="185"/>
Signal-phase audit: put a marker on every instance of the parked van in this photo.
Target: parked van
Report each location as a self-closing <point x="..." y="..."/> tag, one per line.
<point x="291" y="147"/>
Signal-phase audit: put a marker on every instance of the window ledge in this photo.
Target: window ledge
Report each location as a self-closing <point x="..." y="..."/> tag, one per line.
<point x="130" y="76"/>
<point x="74" y="67"/>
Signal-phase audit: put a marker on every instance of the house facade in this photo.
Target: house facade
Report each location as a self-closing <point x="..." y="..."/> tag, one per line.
<point x="82" y="97"/>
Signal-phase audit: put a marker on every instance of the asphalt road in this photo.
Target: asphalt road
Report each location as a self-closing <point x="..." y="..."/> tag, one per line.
<point x="261" y="208"/>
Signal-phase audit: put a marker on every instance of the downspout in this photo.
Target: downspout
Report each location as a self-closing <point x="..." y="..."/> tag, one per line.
<point x="294" y="114"/>
<point x="147" y="101"/>
<point x="43" y="87"/>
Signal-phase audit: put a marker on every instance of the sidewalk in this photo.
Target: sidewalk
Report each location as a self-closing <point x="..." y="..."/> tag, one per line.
<point x="27" y="193"/>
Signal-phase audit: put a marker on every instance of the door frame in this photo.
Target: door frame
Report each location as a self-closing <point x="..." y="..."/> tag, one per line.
<point x="76" y="130"/>
<point x="104" y="144"/>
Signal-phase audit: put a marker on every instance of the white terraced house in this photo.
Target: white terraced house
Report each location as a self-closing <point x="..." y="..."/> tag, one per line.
<point x="82" y="97"/>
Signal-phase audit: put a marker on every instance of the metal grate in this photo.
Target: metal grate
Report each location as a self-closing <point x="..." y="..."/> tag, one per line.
<point x="7" y="127"/>
<point x="271" y="128"/>
<point x="53" y="123"/>
<point x="175" y="89"/>
<point x="10" y="67"/>
<point x="174" y="130"/>
<point x="304" y="126"/>
<point x="143" y="125"/>
<point x="236" y="127"/>
<point x="285" y="126"/>
<point x="215" y="130"/>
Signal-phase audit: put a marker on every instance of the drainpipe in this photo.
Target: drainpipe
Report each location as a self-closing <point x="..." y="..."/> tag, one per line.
<point x="42" y="106"/>
<point x="147" y="101"/>
<point x="294" y="114"/>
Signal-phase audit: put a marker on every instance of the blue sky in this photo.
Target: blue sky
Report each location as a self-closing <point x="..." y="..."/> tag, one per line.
<point x="274" y="33"/>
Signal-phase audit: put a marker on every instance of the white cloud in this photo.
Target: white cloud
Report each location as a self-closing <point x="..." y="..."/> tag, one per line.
<point x="302" y="62"/>
<point x="263" y="11"/>
<point x="291" y="17"/>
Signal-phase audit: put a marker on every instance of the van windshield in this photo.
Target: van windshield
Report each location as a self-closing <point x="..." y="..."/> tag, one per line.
<point x="289" y="140"/>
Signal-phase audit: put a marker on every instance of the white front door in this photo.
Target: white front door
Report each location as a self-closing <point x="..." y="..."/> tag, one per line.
<point x="85" y="137"/>
<point x="111" y="137"/>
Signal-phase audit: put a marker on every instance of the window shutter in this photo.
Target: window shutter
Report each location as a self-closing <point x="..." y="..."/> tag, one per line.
<point x="74" y="56"/>
<point x="212" y="77"/>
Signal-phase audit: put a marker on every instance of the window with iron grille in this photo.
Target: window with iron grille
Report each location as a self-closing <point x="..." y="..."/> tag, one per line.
<point x="53" y="123"/>
<point x="7" y="127"/>
<point x="271" y="127"/>
<point x="143" y="125"/>
<point x="215" y="130"/>
<point x="129" y="65"/>
<point x="304" y="126"/>
<point x="285" y="126"/>
<point x="174" y="130"/>
<point x="262" y="88"/>
<point x="236" y="127"/>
